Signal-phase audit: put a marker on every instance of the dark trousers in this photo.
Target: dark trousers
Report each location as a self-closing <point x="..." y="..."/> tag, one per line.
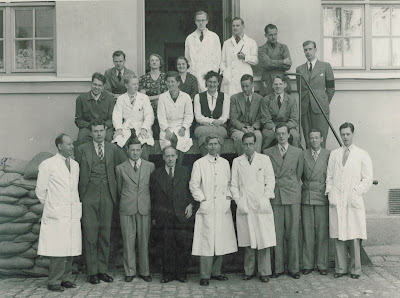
<point x="85" y="135"/>
<point x="60" y="270"/>
<point x="97" y="207"/>
<point x="311" y="120"/>
<point x="175" y="255"/>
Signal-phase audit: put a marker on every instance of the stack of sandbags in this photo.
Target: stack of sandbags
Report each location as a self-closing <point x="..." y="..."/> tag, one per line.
<point x="20" y="214"/>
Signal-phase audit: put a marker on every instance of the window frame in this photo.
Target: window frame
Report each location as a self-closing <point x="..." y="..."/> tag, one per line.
<point x="3" y="70"/>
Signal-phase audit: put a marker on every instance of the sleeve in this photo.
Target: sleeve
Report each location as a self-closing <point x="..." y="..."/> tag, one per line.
<point x="293" y="120"/>
<point x="119" y="180"/>
<point x="300" y="167"/>
<point x="269" y="179"/>
<point x="42" y="182"/>
<point x="217" y="52"/>
<point x="234" y="114"/>
<point x="111" y="104"/>
<point x="366" y="175"/>
<point x="329" y="173"/>
<point x="266" y="118"/>
<point x="228" y="174"/>
<point x="224" y="63"/>
<point x="117" y="118"/>
<point x="188" y="113"/>
<point x="162" y="113"/>
<point x="188" y="56"/>
<point x="268" y="63"/>
<point x="107" y="85"/>
<point x="79" y="121"/>
<point x="148" y="114"/>
<point x="225" y="109"/>
<point x="197" y="112"/>
<point x="252" y="58"/>
<point x="257" y="123"/>
<point x="235" y="182"/>
<point x="195" y="183"/>
<point x="298" y="78"/>
<point x="142" y="84"/>
<point x="329" y="82"/>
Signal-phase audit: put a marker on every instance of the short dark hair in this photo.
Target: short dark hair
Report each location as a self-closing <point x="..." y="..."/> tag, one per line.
<point x="159" y="58"/>
<point x="182" y="58"/>
<point x="128" y="77"/>
<point x="278" y="76"/>
<point x="346" y="125"/>
<point x="211" y="74"/>
<point x="316" y="130"/>
<point x="118" y="53"/>
<point x="270" y="26"/>
<point x="60" y="139"/>
<point x="200" y="12"/>
<point x="237" y="19"/>
<point x="211" y="137"/>
<point x="173" y="74"/>
<point x="307" y="42"/>
<point x="169" y="147"/>
<point x="246" y="77"/>
<point x="99" y="77"/>
<point x="97" y="122"/>
<point x="280" y="125"/>
<point x="133" y="141"/>
<point x="248" y="135"/>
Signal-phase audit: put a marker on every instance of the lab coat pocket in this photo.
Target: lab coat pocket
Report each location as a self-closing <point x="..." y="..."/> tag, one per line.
<point x="356" y="200"/>
<point x="260" y="175"/>
<point x="242" y="208"/>
<point x="57" y="211"/>
<point x="205" y="207"/>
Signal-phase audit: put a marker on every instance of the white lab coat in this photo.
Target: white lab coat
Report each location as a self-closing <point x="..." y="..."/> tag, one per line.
<point x="57" y="188"/>
<point x="345" y="187"/>
<point x="174" y="115"/>
<point x="203" y="56"/>
<point x="252" y="187"/>
<point x="127" y="116"/>
<point x="214" y="233"/>
<point x="232" y="67"/>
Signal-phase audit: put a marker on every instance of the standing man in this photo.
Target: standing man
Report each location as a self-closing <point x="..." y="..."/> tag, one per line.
<point x="252" y="187"/>
<point x="314" y="206"/>
<point x="202" y="49"/>
<point x="133" y="177"/>
<point x="279" y="107"/>
<point x="287" y="162"/>
<point x="245" y="114"/>
<point x="214" y="234"/>
<point x="114" y="76"/>
<point x="349" y="176"/>
<point x="60" y="236"/>
<point x="98" y="193"/>
<point x="95" y="104"/>
<point x="320" y="77"/>
<point x="172" y="207"/>
<point x="238" y="54"/>
<point x="274" y="59"/>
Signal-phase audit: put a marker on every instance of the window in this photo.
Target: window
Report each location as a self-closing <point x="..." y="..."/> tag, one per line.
<point x="27" y="43"/>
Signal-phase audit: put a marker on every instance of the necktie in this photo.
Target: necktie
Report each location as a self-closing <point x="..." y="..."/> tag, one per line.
<point x="237" y="38"/>
<point x="345" y="156"/>
<point x="135" y="167"/>
<point x="273" y="45"/>
<point x="310" y="68"/>
<point x="170" y="173"/>
<point x="119" y="75"/>
<point x="248" y="103"/>
<point x="315" y="155"/>
<point x="201" y="36"/>
<point x="249" y="159"/>
<point x="132" y="99"/>
<point x="279" y="101"/>
<point x="68" y="163"/>
<point x="101" y="153"/>
<point x="283" y="150"/>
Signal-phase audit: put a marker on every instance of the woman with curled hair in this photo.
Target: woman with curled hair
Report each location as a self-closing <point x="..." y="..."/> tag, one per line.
<point x="189" y="82"/>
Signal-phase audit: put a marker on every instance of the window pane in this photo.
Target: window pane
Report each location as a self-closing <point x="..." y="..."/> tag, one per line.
<point x="352" y="21"/>
<point x="23" y="54"/>
<point x="333" y="51"/>
<point x="44" y="23"/>
<point x="332" y="18"/>
<point x="1" y="24"/>
<point x="396" y="51"/>
<point x="23" y="23"/>
<point x="45" y="54"/>
<point x="1" y="55"/>
<point x="353" y="52"/>
<point x="396" y="21"/>
<point x="381" y="52"/>
<point x="381" y="21"/>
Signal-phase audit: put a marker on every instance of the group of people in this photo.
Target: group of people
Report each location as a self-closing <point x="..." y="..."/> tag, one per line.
<point x="273" y="191"/>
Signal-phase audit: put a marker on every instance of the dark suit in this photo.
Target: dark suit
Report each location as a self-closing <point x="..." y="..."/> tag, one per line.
<point x="286" y="205"/>
<point x="113" y="83"/>
<point x="315" y="212"/>
<point x="241" y="116"/>
<point x="170" y="197"/>
<point x="322" y="83"/>
<point x="134" y="209"/>
<point x="271" y="115"/>
<point x="98" y="197"/>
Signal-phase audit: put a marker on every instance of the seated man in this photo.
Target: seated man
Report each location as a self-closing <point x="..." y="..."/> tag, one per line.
<point x="114" y="76"/>
<point x="245" y="114"/>
<point x="279" y="107"/>
<point x="95" y="104"/>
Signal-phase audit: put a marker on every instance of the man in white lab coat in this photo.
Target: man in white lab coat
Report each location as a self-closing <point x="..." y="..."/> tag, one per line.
<point x="238" y="54"/>
<point x="252" y="186"/>
<point x="214" y="233"/>
<point x="60" y="236"/>
<point x="349" y="176"/>
<point x="202" y="49"/>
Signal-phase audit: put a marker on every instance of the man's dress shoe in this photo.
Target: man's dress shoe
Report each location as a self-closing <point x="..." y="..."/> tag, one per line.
<point x="68" y="284"/>
<point x="129" y="278"/>
<point x="93" y="279"/>
<point x="204" y="282"/>
<point x="294" y="275"/>
<point x="55" y="288"/>
<point x="105" y="277"/>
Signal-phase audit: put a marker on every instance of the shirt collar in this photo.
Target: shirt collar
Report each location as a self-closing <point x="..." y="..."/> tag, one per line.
<point x="318" y="151"/>
<point x="199" y="32"/>
<point x="248" y="97"/>
<point x="286" y="147"/>
<point x="251" y="157"/>
<point x="167" y="169"/>
<point x="60" y="156"/>
<point x="96" y="145"/>
<point x="351" y="147"/>
<point x="212" y="158"/>
<point x="281" y="95"/>
<point x="271" y="46"/>
<point x="122" y="71"/>
<point x="138" y="162"/>
<point x="210" y="96"/>
<point x="94" y="97"/>
<point x="312" y="62"/>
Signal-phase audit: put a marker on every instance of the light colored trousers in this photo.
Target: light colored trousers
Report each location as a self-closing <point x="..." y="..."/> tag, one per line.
<point x="264" y="261"/>
<point x="342" y="251"/>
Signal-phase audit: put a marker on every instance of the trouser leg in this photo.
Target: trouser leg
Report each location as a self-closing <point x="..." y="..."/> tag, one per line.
<point x="182" y="253"/>
<point x="145" y="152"/>
<point x="105" y="220"/>
<point x="217" y="265"/>
<point x="143" y="230"/>
<point x="264" y="261"/>
<point x="306" y="125"/>
<point x="128" y="229"/>
<point x="237" y="141"/>
<point x="84" y="135"/>
<point x="308" y="235"/>
<point x="169" y="248"/>
<point x="341" y="256"/>
<point x="56" y="270"/>
<point x="296" y="137"/>
<point x="268" y="137"/>
<point x="318" y="121"/>
<point x="355" y="255"/>
<point x="292" y="220"/>
<point x="321" y="215"/>
<point x="249" y="260"/>
<point x="67" y="276"/>
<point x="109" y="134"/>
<point x="259" y="139"/>
<point x="279" y="219"/>
<point x="206" y="266"/>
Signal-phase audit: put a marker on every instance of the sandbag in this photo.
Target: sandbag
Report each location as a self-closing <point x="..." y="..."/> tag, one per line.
<point x="8" y="237"/>
<point x="36" y="272"/>
<point x="28" y="217"/>
<point x="32" y="194"/>
<point x="36" y="229"/>
<point x="42" y="262"/>
<point x="8" y="200"/>
<point x="2" y="163"/>
<point x="30" y="253"/>
<point x="27" y="184"/>
<point x="28" y="237"/>
<point x="8" y="248"/>
<point x="35" y="246"/>
<point x="13" y="191"/>
<point x="8" y="178"/>
<point x="16" y="263"/>
<point x="4" y="219"/>
<point x="32" y="168"/>
<point x="15" y="228"/>
<point x="1" y="173"/>
<point x="27" y="201"/>
<point x="15" y="165"/>
<point x="37" y="209"/>
<point x="14" y="211"/>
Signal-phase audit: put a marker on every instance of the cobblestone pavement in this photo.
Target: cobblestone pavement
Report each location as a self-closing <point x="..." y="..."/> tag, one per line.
<point x="376" y="281"/>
